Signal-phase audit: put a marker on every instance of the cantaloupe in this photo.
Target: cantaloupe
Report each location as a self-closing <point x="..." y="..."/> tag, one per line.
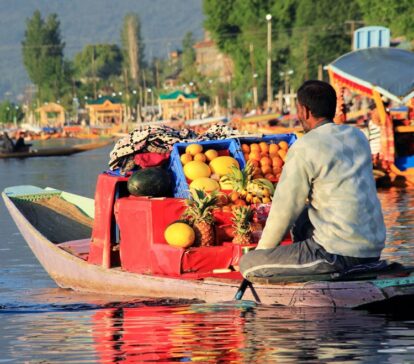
<point x="180" y="235"/>
<point x="221" y="165"/>
<point x="205" y="183"/>
<point x="196" y="169"/>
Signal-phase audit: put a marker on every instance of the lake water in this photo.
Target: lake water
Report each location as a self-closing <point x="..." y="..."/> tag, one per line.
<point x="40" y="323"/>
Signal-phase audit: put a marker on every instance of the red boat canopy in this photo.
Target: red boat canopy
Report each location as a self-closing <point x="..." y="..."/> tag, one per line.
<point x="390" y="71"/>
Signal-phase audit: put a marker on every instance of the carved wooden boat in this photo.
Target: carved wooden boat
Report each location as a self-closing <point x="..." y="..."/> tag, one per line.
<point x="56" y="151"/>
<point x="57" y="226"/>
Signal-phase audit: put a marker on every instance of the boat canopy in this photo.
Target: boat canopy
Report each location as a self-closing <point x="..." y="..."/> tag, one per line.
<point x="390" y="71"/>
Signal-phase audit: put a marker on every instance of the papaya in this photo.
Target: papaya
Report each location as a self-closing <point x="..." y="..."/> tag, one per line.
<point x="152" y="181"/>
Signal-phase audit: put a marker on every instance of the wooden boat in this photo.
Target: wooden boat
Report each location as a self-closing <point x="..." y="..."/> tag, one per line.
<point x="57" y="226"/>
<point x="56" y="151"/>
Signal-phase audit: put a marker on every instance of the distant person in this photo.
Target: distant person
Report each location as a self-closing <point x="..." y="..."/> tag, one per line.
<point x="326" y="195"/>
<point x="20" y="144"/>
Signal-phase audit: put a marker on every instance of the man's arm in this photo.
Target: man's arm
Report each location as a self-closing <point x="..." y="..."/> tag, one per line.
<point x="288" y="201"/>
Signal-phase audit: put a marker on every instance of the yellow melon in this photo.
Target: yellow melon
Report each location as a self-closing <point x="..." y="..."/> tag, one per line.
<point x="221" y="165"/>
<point x="179" y="234"/>
<point x="205" y="183"/>
<point x="194" y="149"/>
<point x="196" y="169"/>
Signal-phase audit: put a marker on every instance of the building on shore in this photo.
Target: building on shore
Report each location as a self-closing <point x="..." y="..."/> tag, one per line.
<point x="210" y="62"/>
<point x="178" y="105"/>
<point x="105" y="111"/>
<point x="51" y="114"/>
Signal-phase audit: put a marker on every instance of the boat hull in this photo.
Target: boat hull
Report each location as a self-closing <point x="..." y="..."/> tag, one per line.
<point x="53" y="152"/>
<point x="71" y="271"/>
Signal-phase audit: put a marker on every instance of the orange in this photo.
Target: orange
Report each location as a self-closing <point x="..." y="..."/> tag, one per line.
<point x="246" y="156"/>
<point x="266" y="169"/>
<point x="254" y="162"/>
<point x="245" y="148"/>
<point x="211" y="154"/>
<point x="264" y="147"/>
<point x="277" y="170"/>
<point x="200" y="157"/>
<point x="269" y="176"/>
<point x="273" y="148"/>
<point x="185" y="158"/>
<point x="226" y="208"/>
<point x="240" y="203"/>
<point x="265" y="161"/>
<point x="194" y="149"/>
<point x="254" y="155"/>
<point x="254" y="147"/>
<point x="234" y="196"/>
<point x="283" y="145"/>
<point x="282" y="154"/>
<point x="277" y="162"/>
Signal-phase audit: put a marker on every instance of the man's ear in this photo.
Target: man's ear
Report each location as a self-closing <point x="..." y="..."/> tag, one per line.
<point x="307" y="113"/>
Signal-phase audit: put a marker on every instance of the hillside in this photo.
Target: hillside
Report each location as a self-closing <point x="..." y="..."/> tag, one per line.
<point x="164" y="23"/>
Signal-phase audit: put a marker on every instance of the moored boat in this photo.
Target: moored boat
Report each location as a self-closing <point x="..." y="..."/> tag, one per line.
<point x="78" y="247"/>
<point x="55" y="151"/>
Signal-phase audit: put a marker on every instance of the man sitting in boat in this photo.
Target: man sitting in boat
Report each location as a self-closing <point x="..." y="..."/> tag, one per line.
<point x="20" y="145"/>
<point x="326" y="196"/>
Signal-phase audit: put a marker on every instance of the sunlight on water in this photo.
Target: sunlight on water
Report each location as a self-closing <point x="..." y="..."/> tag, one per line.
<point x="43" y="324"/>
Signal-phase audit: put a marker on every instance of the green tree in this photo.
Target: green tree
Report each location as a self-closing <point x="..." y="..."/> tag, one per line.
<point x="42" y="50"/>
<point x="305" y="34"/>
<point x="319" y="35"/>
<point x="395" y="14"/>
<point x="188" y="56"/>
<point x="133" y="47"/>
<point x="98" y="61"/>
<point x="10" y="112"/>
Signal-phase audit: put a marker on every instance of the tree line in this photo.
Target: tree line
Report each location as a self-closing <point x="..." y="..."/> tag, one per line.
<point x="305" y="35"/>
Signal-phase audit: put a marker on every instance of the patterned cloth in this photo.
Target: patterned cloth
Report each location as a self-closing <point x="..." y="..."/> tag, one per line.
<point x="158" y="139"/>
<point x="387" y="153"/>
<point x="331" y="166"/>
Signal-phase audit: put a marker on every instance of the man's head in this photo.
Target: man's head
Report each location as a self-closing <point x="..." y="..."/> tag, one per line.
<point x="316" y="102"/>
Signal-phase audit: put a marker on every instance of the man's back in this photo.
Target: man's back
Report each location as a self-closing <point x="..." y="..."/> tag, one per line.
<point x="344" y="207"/>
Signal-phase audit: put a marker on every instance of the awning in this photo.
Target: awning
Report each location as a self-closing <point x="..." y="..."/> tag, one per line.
<point x="390" y="71"/>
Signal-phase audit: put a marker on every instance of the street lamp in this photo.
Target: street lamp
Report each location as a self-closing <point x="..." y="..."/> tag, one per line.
<point x="269" y="63"/>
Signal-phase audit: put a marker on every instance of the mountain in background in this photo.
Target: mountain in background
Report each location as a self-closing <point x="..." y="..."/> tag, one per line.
<point x="163" y="25"/>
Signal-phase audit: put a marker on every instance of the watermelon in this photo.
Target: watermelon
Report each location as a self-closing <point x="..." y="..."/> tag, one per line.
<point x="152" y="181"/>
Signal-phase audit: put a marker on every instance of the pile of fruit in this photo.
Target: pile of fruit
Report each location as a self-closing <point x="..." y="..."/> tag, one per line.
<point x="203" y="170"/>
<point x="197" y="226"/>
<point x="267" y="158"/>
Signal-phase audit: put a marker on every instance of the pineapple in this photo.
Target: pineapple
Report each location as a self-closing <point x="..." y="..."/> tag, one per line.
<point x="200" y="214"/>
<point x="243" y="216"/>
<point x="239" y="179"/>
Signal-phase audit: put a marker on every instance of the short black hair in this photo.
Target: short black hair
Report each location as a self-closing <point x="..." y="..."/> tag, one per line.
<point x="319" y="97"/>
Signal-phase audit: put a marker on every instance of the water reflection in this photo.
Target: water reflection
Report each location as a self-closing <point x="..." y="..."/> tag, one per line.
<point x="398" y="208"/>
<point x="40" y="323"/>
<point x="226" y="333"/>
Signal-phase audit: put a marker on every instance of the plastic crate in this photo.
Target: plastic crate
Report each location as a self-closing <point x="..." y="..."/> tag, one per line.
<point x="226" y="147"/>
<point x="271" y="138"/>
